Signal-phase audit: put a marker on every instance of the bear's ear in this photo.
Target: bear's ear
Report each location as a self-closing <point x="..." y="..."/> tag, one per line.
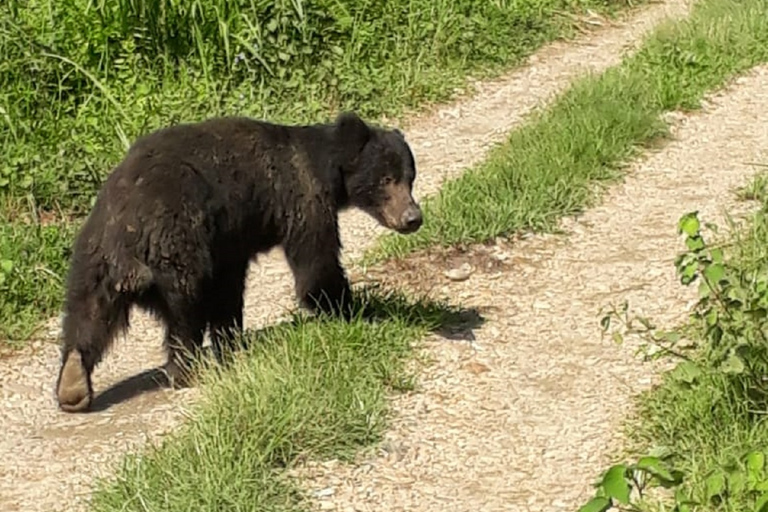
<point x="352" y="131"/>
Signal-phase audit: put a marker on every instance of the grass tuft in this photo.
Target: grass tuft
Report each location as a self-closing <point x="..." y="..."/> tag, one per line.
<point x="304" y="389"/>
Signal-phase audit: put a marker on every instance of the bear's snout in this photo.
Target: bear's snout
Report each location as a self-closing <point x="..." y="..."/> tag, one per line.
<point x="411" y="219"/>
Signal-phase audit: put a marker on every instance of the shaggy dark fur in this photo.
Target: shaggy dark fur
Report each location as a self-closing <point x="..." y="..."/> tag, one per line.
<point x="177" y="221"/>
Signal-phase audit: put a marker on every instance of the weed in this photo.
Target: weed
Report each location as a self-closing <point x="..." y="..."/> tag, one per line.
<point x="709" y="413"/>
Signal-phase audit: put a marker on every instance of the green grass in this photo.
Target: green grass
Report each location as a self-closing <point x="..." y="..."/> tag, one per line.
<point x="79" y="80"/>
<point x="306" y="389"/>
<point x="707" y="417"/>
<point x="551" y="166"/>
<point x="33" y="262"/>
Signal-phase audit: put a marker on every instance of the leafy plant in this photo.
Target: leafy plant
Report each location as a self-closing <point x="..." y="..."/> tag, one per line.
<point x="722" y="374"/>
<point x="622" y="486"/>
<point x="731" y="313"/>
<point x="733" y="308"/>
<point x="615" y="488"/>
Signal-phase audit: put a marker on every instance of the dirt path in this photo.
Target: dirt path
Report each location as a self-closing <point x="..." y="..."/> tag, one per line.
<point x="523" y="417"/>
<point x="48" y="458"/>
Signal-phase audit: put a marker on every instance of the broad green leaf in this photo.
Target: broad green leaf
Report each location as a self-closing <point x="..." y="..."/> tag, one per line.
<point x="653" y="465"/>
<point x="733" y="364"/>
<point x="714" y="273"/>
<point x="615" y="483"/>
<point x="715" y="485"/>
<point x="704" y="289"/>
<point x="755" y="461"/>
<point x="597" y="504"/>
<point x="695" y="243"/>
<point x="711" y="317"/>
<point x="6" y="266"/>
<point x="688" y="273"/>
<point x="617" y="338"/>
<point x="689" y="223"/>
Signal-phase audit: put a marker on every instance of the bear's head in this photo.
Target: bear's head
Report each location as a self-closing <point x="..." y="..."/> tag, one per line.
<point x="379" y="170"/>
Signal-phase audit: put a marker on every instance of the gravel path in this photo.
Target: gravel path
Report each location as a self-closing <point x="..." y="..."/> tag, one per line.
<point x="49" y="458"/>
<point x="525" y="416"/>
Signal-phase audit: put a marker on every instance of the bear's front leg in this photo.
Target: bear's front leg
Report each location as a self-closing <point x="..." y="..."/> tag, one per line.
<point x="321" y="283"/>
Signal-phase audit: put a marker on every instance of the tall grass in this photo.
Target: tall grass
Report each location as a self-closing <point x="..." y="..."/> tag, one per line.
<point x="80" y="79"/>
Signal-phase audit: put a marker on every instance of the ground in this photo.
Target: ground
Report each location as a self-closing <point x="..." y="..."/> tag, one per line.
<point x="533" y="396"/>
<point x="534" y="387"/>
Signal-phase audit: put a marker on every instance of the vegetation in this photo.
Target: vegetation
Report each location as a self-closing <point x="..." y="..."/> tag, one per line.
<point x="80" y="79"/>
<point x="705" y="423"/>
<point x="550" y="166"/>
<point x="33" y="262"/>
<point x="303" y="389"/>
<point x="315" y="389"/>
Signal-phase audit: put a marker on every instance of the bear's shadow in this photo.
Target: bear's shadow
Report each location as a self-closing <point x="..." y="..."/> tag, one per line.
<point x="448" y="322"/>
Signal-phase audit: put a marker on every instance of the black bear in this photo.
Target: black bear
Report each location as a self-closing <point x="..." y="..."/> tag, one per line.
<point x="176" y="223"/>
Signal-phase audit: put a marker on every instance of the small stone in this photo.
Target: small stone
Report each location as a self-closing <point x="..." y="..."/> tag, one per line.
<point x="501" y="256"/>
<point x="322" y="493"/>
<point x="460" y="274"/>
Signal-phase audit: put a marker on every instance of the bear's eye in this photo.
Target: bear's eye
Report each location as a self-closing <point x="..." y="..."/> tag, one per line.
<point x="386" y="180"/>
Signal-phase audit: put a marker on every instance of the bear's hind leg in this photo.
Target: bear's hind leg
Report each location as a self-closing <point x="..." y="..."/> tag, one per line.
<point x="225" y="309"/>
<point x="90" y="324"/>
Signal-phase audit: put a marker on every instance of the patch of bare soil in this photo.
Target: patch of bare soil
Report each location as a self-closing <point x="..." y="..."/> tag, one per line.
<point x="526" y="412"/>
<point x="48" y="458"/>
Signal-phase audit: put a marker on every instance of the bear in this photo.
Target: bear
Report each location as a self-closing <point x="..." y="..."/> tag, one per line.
<point x="177" y="221"/>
